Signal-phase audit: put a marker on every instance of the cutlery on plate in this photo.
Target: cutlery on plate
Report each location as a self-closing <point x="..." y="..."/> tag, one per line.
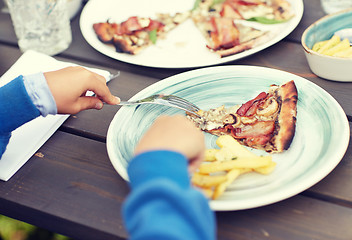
<point x="166" y="100"/>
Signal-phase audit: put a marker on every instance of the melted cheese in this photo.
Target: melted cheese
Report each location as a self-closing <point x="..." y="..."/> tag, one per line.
<point x="213" y="118"/>
<point x="258" y="11"/>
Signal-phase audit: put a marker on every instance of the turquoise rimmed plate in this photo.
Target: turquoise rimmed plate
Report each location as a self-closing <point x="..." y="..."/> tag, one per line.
<point x="320" y="122"/>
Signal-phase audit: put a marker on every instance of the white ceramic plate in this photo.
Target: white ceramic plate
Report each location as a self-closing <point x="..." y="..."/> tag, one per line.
<point x="184" y="47"/>
<point x="321" y="139"/>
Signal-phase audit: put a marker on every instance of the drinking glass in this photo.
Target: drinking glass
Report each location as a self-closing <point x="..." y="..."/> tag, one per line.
<point x="41" y="25"/>
<point x="331" y="6"/>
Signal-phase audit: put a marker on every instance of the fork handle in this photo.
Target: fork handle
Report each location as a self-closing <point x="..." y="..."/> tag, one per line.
<point x="126" y="103"/>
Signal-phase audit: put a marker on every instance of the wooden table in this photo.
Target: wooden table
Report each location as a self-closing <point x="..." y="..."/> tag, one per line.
<point x="74" y="190"/>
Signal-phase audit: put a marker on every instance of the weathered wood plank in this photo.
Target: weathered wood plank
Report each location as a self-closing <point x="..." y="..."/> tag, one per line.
<point x="298" y="218"/>
<point x="75" y="188"/>
<point x="312" y="12"/>
<point x="336" y="186"/>
<point x="70" y="181"/>
<point x="8" y="56"/>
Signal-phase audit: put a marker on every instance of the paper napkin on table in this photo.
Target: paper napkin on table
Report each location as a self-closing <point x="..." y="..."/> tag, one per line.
<point x="28" y="138"/>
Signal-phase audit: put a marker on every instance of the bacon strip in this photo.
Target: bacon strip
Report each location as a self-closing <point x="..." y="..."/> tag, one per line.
<point x="230" y="8"/>
<point x="229" y="11"/>
<point x="258" y="133"/>
<point x="261" y="140"/>
<point x="242" y="111"/>
<point x="225" y="33"/>
<point x="106" y="30"/>
<point x="254" y="130"/>
<point x="155" y="25"/>
<point x="245" y="2"/>
<point x="130" y="25"/>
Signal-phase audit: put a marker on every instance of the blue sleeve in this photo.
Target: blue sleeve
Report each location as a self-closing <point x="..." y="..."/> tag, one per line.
<point x="16" y="108"/>
<point x="162" y="203"/>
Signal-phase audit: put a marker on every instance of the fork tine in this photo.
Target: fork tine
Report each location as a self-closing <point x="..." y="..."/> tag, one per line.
<point x="185" y="106"/>
<point x="173" y="97"/>
<point x="183" y="102"/>
<point x="179" y="105"/>
<point x="168" y="100"/>
<point x="191" y="111"/>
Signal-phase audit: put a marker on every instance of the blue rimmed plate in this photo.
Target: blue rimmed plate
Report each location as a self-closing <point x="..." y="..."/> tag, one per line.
<point x="320" y="122"/>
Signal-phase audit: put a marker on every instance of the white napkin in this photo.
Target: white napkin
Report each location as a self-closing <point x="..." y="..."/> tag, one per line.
<point x="28" y="138"/>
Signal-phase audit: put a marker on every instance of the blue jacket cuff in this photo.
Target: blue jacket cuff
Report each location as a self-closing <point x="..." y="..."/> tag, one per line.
<point x="159" y="164"/>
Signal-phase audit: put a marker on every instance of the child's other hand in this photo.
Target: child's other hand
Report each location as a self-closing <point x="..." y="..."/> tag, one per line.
<point x="69" y="86"/>
<point x="175" y="133"/>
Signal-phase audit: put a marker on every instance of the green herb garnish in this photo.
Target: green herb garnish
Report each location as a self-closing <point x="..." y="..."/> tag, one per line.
<point x="216" y="2"/>
<point x="265" y="20"/>
<point x="153" y="36"/>
<point x="196" y="4"/>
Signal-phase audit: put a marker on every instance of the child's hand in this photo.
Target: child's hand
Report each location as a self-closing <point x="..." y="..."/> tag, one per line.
<point x="175" y="133"/>
<point x="69" y="86"/>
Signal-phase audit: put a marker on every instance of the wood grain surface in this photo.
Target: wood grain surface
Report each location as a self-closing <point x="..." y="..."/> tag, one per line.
<point x="70" y="186"/>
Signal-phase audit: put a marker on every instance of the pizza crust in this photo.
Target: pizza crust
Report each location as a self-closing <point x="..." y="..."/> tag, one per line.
<point x="287" y="117"/>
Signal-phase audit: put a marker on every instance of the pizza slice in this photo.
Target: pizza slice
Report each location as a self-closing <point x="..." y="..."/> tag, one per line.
<point x="137" y="33"/>
<point x="266" y="122"/>
<point x="225" y="37"/>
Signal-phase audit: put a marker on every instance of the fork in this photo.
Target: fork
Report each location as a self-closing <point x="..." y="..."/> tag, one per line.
<point x="166" y="100"/>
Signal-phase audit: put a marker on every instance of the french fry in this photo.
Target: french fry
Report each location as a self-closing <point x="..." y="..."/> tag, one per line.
<point x="334" y="47"/>
<point x="227" y="141"/>
<point x="230" y="144"/>
<point x="208" y="192"/>
<point x="345" y="54"/>
<point x="207" y="181"/>
<point x="330" y="43"/>
<point x="267" y="169"/>
<point x="223" y="166"/>
<point x="210" y="154"/>
<point x="219" y="166"/>
<point x="231" y="176"/>
<point x="318" y="45"/>
<point x="225" y="154"/>
<point x="341" y="46"/>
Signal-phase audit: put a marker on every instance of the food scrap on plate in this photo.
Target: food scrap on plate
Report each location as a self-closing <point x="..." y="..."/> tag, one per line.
<point x="214" y="19"/>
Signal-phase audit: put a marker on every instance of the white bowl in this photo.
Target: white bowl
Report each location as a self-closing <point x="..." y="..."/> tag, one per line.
<point x="331" y="68"/>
